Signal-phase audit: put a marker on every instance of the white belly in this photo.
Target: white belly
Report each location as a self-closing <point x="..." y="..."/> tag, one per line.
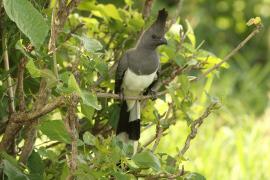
<point x="137" y="83"/>
<point x="134" y="85"/>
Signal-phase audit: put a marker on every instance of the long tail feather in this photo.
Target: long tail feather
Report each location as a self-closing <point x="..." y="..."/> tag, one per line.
<point x="131" y="128"/>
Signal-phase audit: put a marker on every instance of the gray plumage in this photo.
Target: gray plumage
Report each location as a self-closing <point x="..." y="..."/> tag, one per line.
<point x="136" y="71"/>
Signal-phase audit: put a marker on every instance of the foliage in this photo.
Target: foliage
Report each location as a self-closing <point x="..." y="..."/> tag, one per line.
<point x="88" y="45"/>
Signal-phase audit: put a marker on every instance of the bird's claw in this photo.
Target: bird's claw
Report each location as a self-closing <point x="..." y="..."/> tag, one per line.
<point x="121" y="96"/>
<point x="153" y="95"/>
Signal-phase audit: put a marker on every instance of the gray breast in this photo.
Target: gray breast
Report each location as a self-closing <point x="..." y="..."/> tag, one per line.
<point x="143" y="63"/>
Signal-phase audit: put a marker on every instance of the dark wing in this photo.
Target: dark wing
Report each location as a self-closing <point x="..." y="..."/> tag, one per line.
<point x="120" y="72"/>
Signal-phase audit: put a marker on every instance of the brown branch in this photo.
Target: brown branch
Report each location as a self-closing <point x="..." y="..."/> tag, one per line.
<point x="29" y="142"/>
<point x="49" y="107"/>
<point x="59" y="16"/>
<point x="31" y="127"/>
<point x="117" y="96"/>
<point x="20" y="89"/>
<point x="160" y="129"/>
<point x="147" y="9"/>
<point x="194" y="127"/>
<point x="52" y="42"/>
<point x="232" y="53"/>
<point x="13" y="127"/>
<point x="70" y="123"/>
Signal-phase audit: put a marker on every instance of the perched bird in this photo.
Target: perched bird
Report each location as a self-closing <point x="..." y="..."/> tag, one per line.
<point x="136" y="74"/>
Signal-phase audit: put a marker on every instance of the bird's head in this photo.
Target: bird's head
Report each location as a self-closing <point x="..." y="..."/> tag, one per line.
<point x="154" y="35"/>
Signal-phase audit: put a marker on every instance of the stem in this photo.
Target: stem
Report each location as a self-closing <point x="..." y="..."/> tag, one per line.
<point x="9" y="80"/>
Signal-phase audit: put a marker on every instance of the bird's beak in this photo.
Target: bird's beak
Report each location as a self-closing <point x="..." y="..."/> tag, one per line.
<point x="163" y="40"/>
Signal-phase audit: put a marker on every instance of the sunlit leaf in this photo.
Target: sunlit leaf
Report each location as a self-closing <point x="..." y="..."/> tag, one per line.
<point x="110" y="11"/>
<point x="90" y="44"/>
<point x="73" y="85"/>
<point x="55" y="130"/>
<point x="28" y="20"/>
<point x="194" y="176"/>
<point x="90" y="100"/>
<point x="89" y="139"/>
<point x="190" y="34"/>
<point x="129" y="2"/>
<point x="32" y="69"/>
<point x="88" y="111"/>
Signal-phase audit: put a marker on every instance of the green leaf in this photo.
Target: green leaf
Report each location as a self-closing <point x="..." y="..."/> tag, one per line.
<point x="89" y="139"/>
<point x="19" y="46"/>
<point x="121" y="176"/>
<point x="194" y="176"/>
<point x="28" y="20"/>
<point x="10" y="158"/>
<point x="90" y="100"/>
<point x="129" y="2"/>
<point x="49" y="76"/>
<point x="12" y="172"/>
<point x="35" y="176"/>
<point x="47" y="153"/>
<point x="32" y="69"/>
<point x="190" y="34"/>
<point x="73" y="85"/>
<point x="179" y="59"/>
<point x="55" y="130"/>
<point x="110" y="11"/>
<point x="88" y="111"/>
<point x="35" y="164"/>
<point x="147" y="159"/>
<point x="90" y="44"/>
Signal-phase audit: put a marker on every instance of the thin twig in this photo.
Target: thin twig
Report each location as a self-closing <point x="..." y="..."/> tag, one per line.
<point x="9" y="80"/>
<point x="194" y="128"/>
<point x="117" y="96"/>
<point x="160" y="129"/>
<point x="232" y="53"/>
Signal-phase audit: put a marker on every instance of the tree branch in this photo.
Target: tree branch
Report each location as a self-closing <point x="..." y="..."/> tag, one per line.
<point x="160" y="129"/>
<point x="58" y="20"/>
<point x="70" y="123"/>
<point x="232" y="53"/>
<point x="194" y="128"/>
<point x="147" y="9"/>
<point x="31" y="126"/>
<point x="31" y="134"/>
<point x="20" y="89"/>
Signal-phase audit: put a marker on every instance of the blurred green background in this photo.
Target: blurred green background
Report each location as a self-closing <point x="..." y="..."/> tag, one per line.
<point x="234" y="142"/>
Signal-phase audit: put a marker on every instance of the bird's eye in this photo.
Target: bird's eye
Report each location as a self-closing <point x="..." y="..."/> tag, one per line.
<point x="154" y="36"/>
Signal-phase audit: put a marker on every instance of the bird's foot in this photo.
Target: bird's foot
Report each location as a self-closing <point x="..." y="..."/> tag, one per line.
<point x="153" y="95"/>
<point x="121" y="96"/>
